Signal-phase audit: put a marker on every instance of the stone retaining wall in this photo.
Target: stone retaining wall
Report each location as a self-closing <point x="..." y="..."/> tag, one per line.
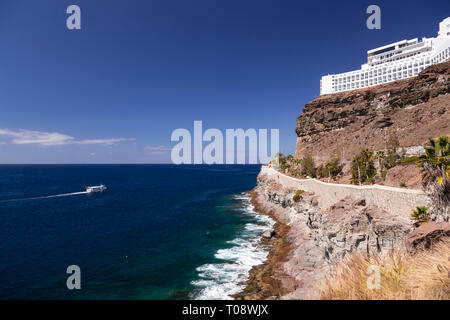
<point x="395" y="200"/>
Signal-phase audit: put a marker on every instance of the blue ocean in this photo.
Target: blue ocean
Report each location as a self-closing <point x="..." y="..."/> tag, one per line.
<point x="157" y="232"/>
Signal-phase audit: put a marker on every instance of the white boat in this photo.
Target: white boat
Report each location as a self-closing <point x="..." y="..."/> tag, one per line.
<point x="93" y="189"/>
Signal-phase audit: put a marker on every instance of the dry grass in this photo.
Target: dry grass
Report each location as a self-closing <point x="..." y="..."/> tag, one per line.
<point x="423" y="276"/>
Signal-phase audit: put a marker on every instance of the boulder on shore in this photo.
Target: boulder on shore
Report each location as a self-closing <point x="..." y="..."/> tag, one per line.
<point x="426" y="235"/>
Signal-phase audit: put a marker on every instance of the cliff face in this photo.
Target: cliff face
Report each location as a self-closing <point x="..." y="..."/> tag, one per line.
<point x="322" y="237"/>
<point x="329" y="221"/>
<point x="416" y="109"/>
<point x="348" y="225"/>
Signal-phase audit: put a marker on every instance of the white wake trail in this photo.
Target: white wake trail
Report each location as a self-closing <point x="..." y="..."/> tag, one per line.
<point x="47" y="197"/>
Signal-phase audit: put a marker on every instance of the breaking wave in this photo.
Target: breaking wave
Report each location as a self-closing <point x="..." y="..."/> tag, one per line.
<point x="218" y="281"/>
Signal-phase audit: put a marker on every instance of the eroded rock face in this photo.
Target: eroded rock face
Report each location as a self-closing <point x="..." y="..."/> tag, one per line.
<point x="409" y="174"/>
<point x="352" y="226"/>
<point x="426" y="235"/>
<point x="343" y="123"/>
<point x="348" y="226"/>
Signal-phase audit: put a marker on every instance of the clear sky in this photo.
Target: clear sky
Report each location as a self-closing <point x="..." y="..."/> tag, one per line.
<point x="114" y="91"/>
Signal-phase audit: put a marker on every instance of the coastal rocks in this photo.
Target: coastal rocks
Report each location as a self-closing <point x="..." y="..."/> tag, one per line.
<point x="426" y="235"/>
<point x="269" y="234"/>
<point x="353" y="226"/>
<point x="318" y="239"/>
<point x="350" y="225"/>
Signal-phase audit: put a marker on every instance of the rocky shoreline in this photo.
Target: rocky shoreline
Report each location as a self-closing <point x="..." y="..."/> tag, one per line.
<point x="309" y="240"/>
<point x="328" y="222"/>
<point x="264" y="280"/>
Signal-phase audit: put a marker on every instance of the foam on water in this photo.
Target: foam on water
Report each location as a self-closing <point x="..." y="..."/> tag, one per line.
<point x="221" y="280"/>
<point x="48" y="197"/>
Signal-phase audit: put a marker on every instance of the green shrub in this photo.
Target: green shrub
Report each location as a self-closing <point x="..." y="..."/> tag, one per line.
<point x="402" y="185"/>
<point x="297" y="195"/>
<point x="308" y="167"/>
<point x="393" y="156"/>
<point x="362" y="167"/>
<point x="420" y="215"/>
<point x="370" y="180"/>
<point x="412" y="159"/>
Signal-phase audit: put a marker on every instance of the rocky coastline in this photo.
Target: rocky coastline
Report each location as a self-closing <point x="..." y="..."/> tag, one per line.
<point x="320" y="223"/>
<point x="308" y="241"/>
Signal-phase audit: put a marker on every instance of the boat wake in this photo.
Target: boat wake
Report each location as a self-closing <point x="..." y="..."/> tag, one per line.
<point x="47" y="197"/>
<point x="218" y="281"/>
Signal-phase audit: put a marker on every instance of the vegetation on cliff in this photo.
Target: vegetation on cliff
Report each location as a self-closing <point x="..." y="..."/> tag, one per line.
<point x="306" y="167"/>
<point x="435" y="164"/>
<point x="344" y="123"/>
<point x="420" y="215"/>
<point x="363" y="168"/>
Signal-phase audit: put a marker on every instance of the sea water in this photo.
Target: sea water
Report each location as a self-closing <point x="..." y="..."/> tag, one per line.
<point x="157" y="232"/>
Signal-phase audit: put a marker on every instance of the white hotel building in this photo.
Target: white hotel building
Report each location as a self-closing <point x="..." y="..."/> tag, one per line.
<point x="399" y="60"/>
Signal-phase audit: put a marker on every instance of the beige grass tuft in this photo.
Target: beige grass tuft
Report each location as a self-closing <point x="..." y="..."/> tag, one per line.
<point x="423" y="276"/>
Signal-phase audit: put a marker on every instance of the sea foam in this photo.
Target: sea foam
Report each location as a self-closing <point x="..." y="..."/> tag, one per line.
<point x="218" y="281"/>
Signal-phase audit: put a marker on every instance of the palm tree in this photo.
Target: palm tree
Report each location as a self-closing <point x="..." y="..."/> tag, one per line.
<point x="367" y="156"/>
<point x="435" y="164"/>
<point x="436" y="160"/>
<point x="420" y="215"/>
<point x="358" y="160"/>
<point x="380" y="157"/>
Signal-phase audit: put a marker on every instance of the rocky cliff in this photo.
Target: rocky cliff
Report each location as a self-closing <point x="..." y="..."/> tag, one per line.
<point x="325" y="222"/>
<point x="416" y="109"/>
<point x="321" y="237"/>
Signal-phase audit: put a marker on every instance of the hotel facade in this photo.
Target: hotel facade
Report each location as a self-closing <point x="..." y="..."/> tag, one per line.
<point x="395" y="61"/>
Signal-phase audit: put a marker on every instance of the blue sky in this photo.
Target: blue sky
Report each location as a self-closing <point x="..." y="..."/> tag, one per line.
<point x="114" y="91"/>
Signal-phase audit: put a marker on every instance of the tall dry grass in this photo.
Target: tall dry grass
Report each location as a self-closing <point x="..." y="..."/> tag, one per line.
<point x="422" y="276"/>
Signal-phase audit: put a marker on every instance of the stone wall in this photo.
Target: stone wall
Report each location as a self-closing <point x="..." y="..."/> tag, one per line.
<point x="394" y="200"/>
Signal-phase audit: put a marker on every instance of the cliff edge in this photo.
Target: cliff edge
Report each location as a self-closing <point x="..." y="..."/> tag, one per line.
<point x="321" y="224"/>
<point x="416" y="109"/>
